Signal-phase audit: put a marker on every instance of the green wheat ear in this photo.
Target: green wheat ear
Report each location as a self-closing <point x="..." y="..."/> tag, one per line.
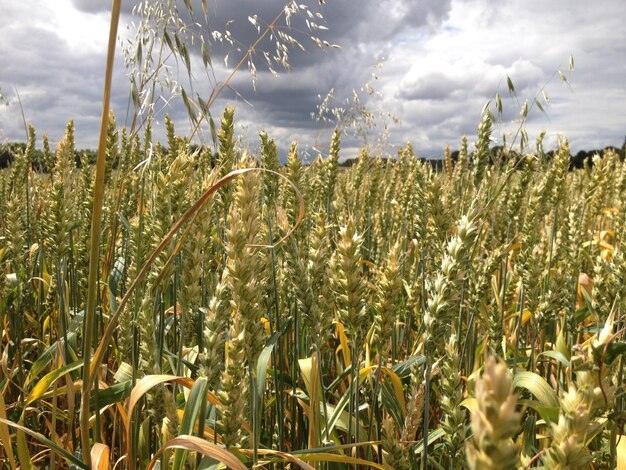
<point x="245" y="336"/>
<point x="495" y="421"/>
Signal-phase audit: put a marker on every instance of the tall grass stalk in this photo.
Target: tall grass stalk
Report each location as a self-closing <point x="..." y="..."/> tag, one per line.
<point x="94" y="247"/>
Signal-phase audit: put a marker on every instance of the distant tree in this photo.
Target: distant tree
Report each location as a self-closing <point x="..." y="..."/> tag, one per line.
<point x="8" y="152"/>
<point x="3" y="99"/>
<point x="349" y="162"/>
<point x="578" y="160"/>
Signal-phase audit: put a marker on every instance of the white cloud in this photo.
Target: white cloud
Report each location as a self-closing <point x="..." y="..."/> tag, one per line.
<point x="82" y="33"/>
<point x="451" y="72"/>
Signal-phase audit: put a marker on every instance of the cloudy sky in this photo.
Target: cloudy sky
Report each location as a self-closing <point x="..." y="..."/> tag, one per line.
<point x="432" y="64"/>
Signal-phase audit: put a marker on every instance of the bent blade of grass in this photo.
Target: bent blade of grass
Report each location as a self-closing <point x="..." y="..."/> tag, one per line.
<point x="193" y="443"/>
<point x="326" y="457"/>
<point x="141" y="388"/>
<point x="284" y="456"/>
<point x="308" y="370"/>
<point x="538" y="386"/>
<point x="471" y="404"/>
<point x="557" y="356"/>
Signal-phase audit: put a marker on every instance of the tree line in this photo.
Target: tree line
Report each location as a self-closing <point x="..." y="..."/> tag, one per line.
<point x="582" y="158"/>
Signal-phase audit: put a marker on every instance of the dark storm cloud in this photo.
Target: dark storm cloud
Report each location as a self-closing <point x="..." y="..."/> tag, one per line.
<point x="277" y="102"/>
<point x="92" y="6"/>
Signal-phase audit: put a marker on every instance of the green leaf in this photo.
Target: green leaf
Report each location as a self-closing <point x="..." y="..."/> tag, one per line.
<point x="391" y="404"/>
<point x="114" y="394"/>
<point x="124" y="373"/>
<point x="529" y="434"/>
<point x="338" y="410"/>
<point x="557" y="356"/>
<point x="262" y="362"/>
<point x="197" y="396"/>
<point x="261" y="376"/>
<point x="403" y="369"/>
<point x="44" y="360"/>
<point x="548" y="413"/>
<point x="432" y="437"/>
<point x="538" y="386"/>
<point x="341" y="420"/>
<point x="47" y="380"/>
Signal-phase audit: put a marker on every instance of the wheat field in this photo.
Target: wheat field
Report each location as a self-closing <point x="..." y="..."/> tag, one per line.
<point x="389" y="315"/>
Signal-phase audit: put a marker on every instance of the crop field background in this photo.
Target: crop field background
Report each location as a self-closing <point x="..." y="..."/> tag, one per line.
<point x="192" y="307"/>
<point x="312" y="316"/>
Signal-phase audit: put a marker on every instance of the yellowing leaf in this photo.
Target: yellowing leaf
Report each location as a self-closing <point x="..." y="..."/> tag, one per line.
<point x="141" y="388"/>
<point x="397" y="387"/>
<point x="343" y="341"/>
<point x="607" y="234"/>
<point x="309" y="370"/>
<point x="209" y="433"/>
<point x="621" y="452"/>
<point x="586" y="283"/>
<point x="266" y="325"/>
<point x="284" y="455"/>
<point x="193" y="443"/>
<point x="100" y="456"/>
<point x="5" y="437"/>
<point x="47" y="380"/>
<point x="471" y="404"/>
<point x="341" y="458"/>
